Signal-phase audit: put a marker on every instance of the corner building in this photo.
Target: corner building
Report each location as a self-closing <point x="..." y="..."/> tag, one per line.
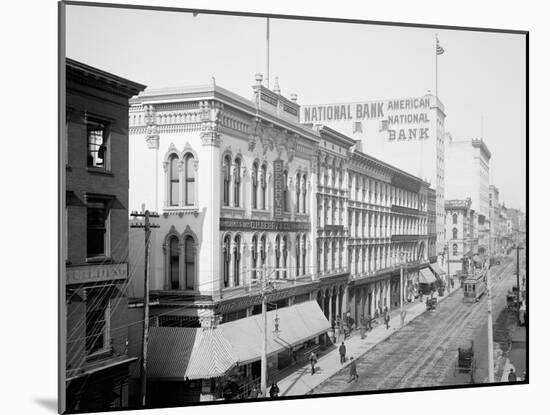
<point x="246" y="190"/>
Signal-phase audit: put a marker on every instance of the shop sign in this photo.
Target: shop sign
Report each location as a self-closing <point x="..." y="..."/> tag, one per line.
<point x="96" y="273"/>
<point x="228" y="224"/>
<point x="278" y="187"/>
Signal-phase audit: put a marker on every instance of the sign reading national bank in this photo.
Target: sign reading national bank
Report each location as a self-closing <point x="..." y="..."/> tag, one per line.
<point x="403" y="119"/>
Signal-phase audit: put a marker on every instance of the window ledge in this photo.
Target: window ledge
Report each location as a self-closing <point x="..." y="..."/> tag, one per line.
<point x="96" y="259"/>
<point x="100" y="354"/>
<point x="181" y="210"/>
<point x="96" y="170"/>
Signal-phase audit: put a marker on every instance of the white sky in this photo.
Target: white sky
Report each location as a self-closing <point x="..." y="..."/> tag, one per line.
<point x="480" y="74"/>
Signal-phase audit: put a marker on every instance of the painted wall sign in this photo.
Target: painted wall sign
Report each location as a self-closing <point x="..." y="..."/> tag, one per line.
<point x="278" y="184"/>
<point x="403" y="119"/>
<point x="95" y="273"/>
<point x="229" y="224"/>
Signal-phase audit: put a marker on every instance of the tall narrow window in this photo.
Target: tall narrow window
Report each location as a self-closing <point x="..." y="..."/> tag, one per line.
<point x="298" y="193"/>
<point x="333" y="255"/>
<point x="325" y="257"/>
<point x="174" y="180"/>
<point x="304" y="253"/>
<point x="298" y="254"/>
<point x="237" y="261"/>
<point x="97" y="320"/>
<point x="226" y="259"/>
<point x="455" y="233"/>
<point x="285" y="191"/>
<point x="263" y="249"/>
<point x="455" y="249"/>
<point x="174" y="261"/>
<point x="255" y="186"/>
<point x="237" y="183"/>
<point x="189" y="180"/>
<point x="304" y="193"/>
<point x="277" y="256"/>
<point x="455" y="219"/>
<point x="97" y="144"/>
<point x="264" y="187"/>
<point x="189" y="263"/>
<point x="285" y="256"/>
<point x="254" y="263"/>
<point x="226" y="179"/>
<point x="97" y="235"/>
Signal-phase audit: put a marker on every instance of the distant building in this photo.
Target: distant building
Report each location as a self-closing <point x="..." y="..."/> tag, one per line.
<point x="467" y="176"/>
<point x="460" y="233"/>
<point x="96" y="239"/>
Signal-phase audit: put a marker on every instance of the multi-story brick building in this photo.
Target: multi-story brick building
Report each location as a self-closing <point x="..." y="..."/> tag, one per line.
<point x="96" y="237"/>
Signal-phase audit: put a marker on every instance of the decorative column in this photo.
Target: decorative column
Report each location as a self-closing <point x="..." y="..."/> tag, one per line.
<point x="209" y="155"/>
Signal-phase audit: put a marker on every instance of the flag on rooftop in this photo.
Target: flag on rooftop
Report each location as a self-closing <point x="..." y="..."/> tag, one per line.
<point x="438" y="49"/>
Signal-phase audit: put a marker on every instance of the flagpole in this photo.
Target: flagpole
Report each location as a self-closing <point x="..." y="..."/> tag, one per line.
<point x="436" y="54"/>
<point x="267" y="53"/>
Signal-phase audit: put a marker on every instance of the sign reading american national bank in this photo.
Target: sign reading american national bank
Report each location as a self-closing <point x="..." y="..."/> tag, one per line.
<point x="393" y="115"/>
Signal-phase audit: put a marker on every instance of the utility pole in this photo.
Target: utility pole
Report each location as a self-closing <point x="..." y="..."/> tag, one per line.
<point x="490" y="323"/>
<point x="147" y="225"/>
<point x="267" y="286"/>
<point x="517" y="282"/>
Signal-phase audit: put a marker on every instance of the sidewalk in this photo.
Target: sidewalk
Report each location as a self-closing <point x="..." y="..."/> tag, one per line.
<point x="302" y="382"/>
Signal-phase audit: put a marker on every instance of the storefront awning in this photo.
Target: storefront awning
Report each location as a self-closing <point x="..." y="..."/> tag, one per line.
<point x="437" y="270"/>
<point x="426" y="276"/>
<point x="194" y="353"/>
<point x="297" y="324"/>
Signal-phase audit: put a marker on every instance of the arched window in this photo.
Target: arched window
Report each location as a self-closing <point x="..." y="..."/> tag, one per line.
<point x="455" y="249"/>
<point x="455" y="218"/>
<point x="298" y="255"/>
<point x="226" y="179"/>
<point x="304" y="255"/>
<point x="285" y="191"/>
<point x="455" y="233"/>
<point x="304" y="193"/>
<point x="254" y="264"/>
<point x="263" y="249"/>
<point x="298" y="193"/>
<point x="174" y="261"/>
<point x="237" y="183"/>
<point x="264" y="187"/>
<point x="325" y="257"/>
<point x="174" y="180"/>
<point x="226" y="259"/>
<point x="277" y="256"/>
<point x="255" y="186"/>
<point x="237" y="261"/>
<point x="189" y="263"/>
<point x="189" y="180"/>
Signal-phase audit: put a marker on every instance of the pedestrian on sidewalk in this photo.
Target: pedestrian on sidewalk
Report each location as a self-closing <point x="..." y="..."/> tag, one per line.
<point x="512" y="376"/>
<point x="274" y="390"/>
<point x="387" y="318"/>
<point x="352" y="371"/>
<point x="369" y="322"/>
<point x="313" y="362"/>
<point x="342" y="351"/>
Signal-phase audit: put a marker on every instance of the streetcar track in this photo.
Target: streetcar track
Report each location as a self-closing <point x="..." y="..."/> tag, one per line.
<point x="436" y="352"/>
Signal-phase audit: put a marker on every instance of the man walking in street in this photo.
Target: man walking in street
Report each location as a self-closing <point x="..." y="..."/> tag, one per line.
<point x="313" y="362"/>
<point x="342" y="351"/>
<point x="353" y="371"/>
<point x="387" y="318"/>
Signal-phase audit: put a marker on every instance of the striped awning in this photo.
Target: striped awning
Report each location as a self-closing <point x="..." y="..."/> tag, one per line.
<point x="297" y="324"/>
<point x="194" y="353"/>
<point x="437" y="269"/>
<point x="426" y="276"/>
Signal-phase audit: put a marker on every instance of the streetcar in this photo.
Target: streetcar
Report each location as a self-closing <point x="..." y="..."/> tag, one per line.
<point x="474" y="286"/>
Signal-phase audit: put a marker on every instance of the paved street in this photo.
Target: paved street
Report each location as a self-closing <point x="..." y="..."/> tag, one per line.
<point x="424" y="352"/>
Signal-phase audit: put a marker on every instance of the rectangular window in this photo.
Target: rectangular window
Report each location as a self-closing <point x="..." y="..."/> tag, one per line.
<point x="97" y="214"/>
<point x="97" y="320"/>
<point x="97" y="144"/>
